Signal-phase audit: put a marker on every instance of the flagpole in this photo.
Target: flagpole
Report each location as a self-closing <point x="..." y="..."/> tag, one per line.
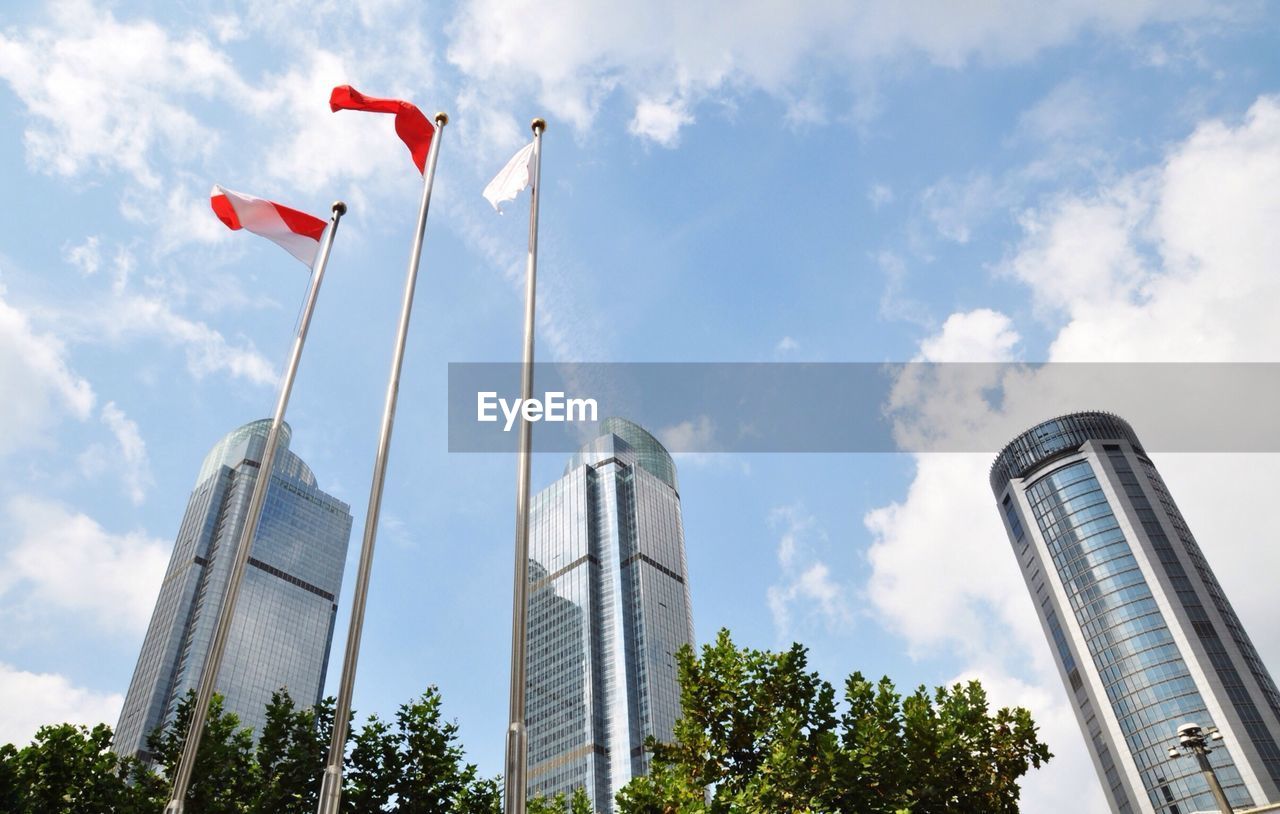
<point x="213" y="661"/>
<point x="331" y="785"/>
<point x="517" y="735"/>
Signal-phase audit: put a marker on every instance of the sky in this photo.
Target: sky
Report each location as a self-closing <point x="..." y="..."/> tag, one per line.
<point x="723" y="182"/>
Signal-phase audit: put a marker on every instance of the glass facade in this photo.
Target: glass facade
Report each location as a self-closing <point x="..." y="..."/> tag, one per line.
<point x="608" y="609"/>
<point x="283" y="625"/>
<point x="1133" y="614"/>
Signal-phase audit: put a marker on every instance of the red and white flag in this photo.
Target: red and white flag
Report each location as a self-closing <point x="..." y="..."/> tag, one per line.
<point x="296" y="232"/>
<point x="411" y="126"/>
<point x="511" y="179"/>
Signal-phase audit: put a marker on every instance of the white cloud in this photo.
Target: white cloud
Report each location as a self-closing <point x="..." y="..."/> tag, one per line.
<point x="227" y="27"/>
<point x="179" y="215"/>
<point x="944" y="406"/>
<point x="39" y="383"/>
<point x="41" y="387"/>
<point x="152" y="316"/>
<point x="894" y="303"/>
<point x="806" y="590"/>
<point x="124" y="95"/>
<point x="1183" y="255"/>
<point x="322" y="150"/>
<point x="804" y="112"/>
<point x="1069" y="111"/>
<point x="1223" y="514"/>
<point x="660" y="121"/>
<point x="87" y="257"/>
<point x="880" y="195"/>
<point x="135" y="466"/>
<point x="62" y="560"/>
<point x="575" y="54"/>
<point x="37" y="363"/>
<point x="695" y="435"/>
<point x="981" y="335"/>
<point x="1080" y="254"/>
<point x="107" y="94"/>
<point x="938" y="581"/>
<point x="956" y="208"/>
<point x="33" y="700"/>
<point x="1172" y="263"/>
<point x="207" y="350"/>
<point x="786" y="345"/>
<point x="126" y="462"/>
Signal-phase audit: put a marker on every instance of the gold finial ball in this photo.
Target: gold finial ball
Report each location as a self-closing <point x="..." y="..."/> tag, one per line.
<point x="442" y="118"/>
<point x="539" y="124"/>
<point x="339" y="208"/>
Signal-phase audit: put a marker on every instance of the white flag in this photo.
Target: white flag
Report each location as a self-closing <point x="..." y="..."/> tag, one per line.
<point x="511" y="180"/>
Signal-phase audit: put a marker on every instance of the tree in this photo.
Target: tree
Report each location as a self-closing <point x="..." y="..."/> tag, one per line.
<point x="68" y="769"/>
<point x="432" y="776"/>
<point x="577" y="803"/>
<point x="371" y="768"/>
<point x="580" y="803"/>
<point x="761" y="735"/>
<point x="415" y="766"/>
<point x="291" y="751"/>
<point x="10" y="796"/>
<point x="225" y="776"/>
<point x="482" y="796"/>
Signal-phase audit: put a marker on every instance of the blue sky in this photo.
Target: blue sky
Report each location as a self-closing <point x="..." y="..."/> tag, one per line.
<point x="1084" y="181"/>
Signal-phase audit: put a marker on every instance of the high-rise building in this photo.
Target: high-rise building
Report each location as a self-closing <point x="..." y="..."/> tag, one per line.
<point x="1143" y="635"/>
<point x="283" y="623"/>
<point x="608" y="609"/>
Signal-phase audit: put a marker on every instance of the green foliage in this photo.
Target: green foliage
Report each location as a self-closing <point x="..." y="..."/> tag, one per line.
<point x="412" y="767"/>
<point x="546" y="805"/>
<point x="68" y="769"/>
<point x="225" y="775"/>
<point x="482" y="796"/>
<point x="10" y="799"/>
<point x="760" y="734"/>
<point x="578" y="803"/>
<point x="432" y="777"/>
<point x="370" y="774"/>
<point x="291" y="752"/>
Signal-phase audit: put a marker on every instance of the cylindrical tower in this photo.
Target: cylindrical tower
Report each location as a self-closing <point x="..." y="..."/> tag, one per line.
<point x="1143" y="635"/>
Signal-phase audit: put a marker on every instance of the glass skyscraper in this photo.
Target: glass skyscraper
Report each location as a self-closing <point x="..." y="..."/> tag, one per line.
<point x="1143" y="635"/>
<point x="608" y="609"/>
<point x="284" y="618"/>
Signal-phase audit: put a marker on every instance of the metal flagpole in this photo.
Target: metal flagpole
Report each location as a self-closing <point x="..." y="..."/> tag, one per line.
<point x="331" y="785"/>
<point x="213" y="661"/>
<point x="517" y="736"/>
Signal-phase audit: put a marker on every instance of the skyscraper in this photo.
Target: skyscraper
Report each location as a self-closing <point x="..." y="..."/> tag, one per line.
<point x="1143" y="635"/>
<point x="284" y="618"/>
<point x="608" y="609"/>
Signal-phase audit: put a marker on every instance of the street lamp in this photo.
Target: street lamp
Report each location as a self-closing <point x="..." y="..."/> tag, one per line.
<point x="1194" y="740"/>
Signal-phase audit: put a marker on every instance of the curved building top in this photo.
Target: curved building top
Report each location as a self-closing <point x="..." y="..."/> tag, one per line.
<point x="651" y="455"/>
<point x="247" y="443"/>
<point x="1053" y="439"/>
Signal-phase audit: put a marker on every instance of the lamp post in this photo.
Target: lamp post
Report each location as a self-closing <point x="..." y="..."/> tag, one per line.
<point x="1194" y="740"/>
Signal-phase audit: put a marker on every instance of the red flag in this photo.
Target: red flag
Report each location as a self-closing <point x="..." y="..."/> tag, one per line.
<point x="411" y="126"/>
<point x="296" y="232"/>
